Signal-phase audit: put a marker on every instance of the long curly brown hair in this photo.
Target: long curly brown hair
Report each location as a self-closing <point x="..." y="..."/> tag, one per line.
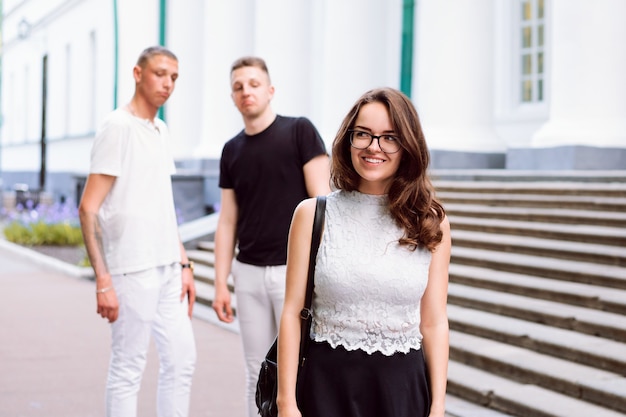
<point x="411" y="195"/>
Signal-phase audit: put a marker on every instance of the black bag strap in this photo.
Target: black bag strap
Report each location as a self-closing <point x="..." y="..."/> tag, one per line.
<point x="305" y="314"/>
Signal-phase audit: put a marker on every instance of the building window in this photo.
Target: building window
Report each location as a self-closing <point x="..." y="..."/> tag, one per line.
<point x="26" y="116"/>
<point x="67" y="91"/>
<point x="532" y="28"/>
<point x="91" y="100"/>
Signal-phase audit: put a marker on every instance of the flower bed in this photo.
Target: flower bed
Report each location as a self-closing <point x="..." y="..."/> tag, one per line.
<point x="50" y="229"/>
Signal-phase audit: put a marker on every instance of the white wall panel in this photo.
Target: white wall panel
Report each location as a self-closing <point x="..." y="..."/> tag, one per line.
<point x="322" y="55"/>
<point x="455" y="73"/>
<point x="356" y="48"/>
<point x="588" y="100"/>
<point x="226" y="33"/>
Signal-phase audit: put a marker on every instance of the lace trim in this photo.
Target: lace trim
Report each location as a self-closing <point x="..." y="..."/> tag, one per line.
<point x="368" y="288"/>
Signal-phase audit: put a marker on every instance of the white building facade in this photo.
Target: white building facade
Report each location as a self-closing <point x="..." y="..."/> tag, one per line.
<point x="503" y="84"/>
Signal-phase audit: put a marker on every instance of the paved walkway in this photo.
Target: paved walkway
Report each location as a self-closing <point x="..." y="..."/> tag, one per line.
<point x="54" y="348"/>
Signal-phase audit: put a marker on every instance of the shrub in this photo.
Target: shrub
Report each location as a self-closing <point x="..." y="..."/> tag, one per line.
<point x="56" y="224"/>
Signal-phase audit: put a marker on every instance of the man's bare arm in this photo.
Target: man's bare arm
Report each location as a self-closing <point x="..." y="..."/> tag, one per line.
<point x="96" y="190"/>
<point x="225" y="241"/>
<point x="317" y="176"/>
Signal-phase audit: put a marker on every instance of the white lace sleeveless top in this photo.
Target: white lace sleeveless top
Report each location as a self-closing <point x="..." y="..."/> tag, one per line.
<point x="367" y="287"/>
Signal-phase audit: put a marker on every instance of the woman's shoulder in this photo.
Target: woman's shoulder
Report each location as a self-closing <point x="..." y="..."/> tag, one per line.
<point x="306" y="208"/>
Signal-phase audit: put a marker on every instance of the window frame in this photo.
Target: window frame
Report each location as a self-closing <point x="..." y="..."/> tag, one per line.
<point x="534" y="78"/>
<point x="509" y="106"/>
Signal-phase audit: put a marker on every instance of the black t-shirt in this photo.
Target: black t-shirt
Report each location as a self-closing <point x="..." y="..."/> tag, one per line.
<point x="265" y="171"/>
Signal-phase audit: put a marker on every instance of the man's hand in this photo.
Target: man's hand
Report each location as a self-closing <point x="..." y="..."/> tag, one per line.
<point x="221" y="304"/>
<point x="188" y="289"/>
<point x="108" y="306"/>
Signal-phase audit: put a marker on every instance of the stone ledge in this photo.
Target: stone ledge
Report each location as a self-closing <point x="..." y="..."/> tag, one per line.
<point x="48" y="261"/>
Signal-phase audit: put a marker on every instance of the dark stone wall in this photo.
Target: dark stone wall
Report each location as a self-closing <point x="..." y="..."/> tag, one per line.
<point x="573" y="157"/>
<point x="188" y="189"/>
<point x="466" y="160"/>
<point x="567" y="158"/>
<point x="61" y="186"/>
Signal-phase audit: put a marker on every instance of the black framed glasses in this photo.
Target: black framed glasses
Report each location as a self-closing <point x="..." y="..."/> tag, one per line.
<point x="360" y="139"/>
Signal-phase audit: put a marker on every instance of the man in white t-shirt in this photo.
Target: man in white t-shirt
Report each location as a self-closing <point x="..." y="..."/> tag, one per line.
<point x="144" y="280"/>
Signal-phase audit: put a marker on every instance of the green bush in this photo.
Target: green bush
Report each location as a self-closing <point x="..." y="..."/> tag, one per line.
<point x="42" y="233"/>
<point x="56" y="224"/>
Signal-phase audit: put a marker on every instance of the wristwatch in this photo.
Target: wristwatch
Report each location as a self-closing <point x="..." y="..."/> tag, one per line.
<point x="187" y="265"/>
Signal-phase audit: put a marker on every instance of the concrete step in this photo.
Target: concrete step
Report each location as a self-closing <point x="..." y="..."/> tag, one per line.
<point x="593" y="351"/>
<point x="525" y="366"/>
<point x="200" y="256"/>
<point x="594" y="203"/>
<point x="600" y="235"/>
<point x="208" y="245"/>
<point x="563" y="188"/>
<point x="458" y="407"/>
<point x="206" y="274"/>
<point x="566" y="270"/>
<point x="518" y="399"/>
<point x="585" y="295"/>
<point x="541" y="215"/>
<point x="204" y="293"/>
<point x="504" y="176"/>
<point x="584" y="320"/>
<point x="547" y="248"/>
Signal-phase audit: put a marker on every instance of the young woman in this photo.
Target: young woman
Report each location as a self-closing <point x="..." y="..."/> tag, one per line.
<point x="380" y="327"/>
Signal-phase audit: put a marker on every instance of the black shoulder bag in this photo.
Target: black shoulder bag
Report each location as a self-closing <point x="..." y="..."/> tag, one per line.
<point x="267" y="385"/>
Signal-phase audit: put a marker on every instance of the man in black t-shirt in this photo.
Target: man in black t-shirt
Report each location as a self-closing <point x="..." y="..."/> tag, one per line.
<point x="265" y="171"/>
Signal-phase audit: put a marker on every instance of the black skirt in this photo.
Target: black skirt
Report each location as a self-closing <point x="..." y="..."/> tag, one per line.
<point x="341" y="383"/>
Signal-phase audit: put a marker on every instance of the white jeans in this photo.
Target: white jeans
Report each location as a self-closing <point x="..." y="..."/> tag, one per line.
<point x="260" y="292"/>
<point x="150" y="305"/>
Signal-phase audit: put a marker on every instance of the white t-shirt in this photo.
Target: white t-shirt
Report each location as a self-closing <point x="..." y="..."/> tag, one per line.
<point x="138" y="218"/>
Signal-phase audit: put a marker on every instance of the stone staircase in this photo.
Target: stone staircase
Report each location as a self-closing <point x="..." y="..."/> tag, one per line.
<point x="537" y="296"/>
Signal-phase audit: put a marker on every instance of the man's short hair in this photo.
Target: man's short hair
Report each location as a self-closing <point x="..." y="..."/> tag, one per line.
<point x="153" y="51"/>
<point x="250" y="61"/>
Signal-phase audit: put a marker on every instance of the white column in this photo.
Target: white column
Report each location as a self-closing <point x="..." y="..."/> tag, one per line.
<point x="228" y="34"/>
<point x="587" y="86"/>
<point x="356" y="47"/>
<point x="138" y="28"/>
<point x="184" y="110"/>
<point x="454" y="91"/>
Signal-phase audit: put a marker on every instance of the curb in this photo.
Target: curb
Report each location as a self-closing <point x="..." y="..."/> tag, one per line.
<point x="47" y="261"/>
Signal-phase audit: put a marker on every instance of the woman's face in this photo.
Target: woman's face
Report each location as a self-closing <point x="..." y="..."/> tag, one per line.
<point x="375" y="167"/>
